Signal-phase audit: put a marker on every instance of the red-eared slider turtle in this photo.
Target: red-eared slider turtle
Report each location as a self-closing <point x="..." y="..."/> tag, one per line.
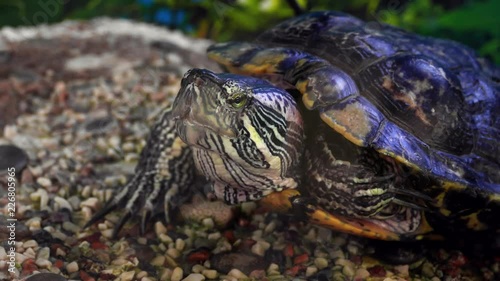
<point x="397" y="135"/>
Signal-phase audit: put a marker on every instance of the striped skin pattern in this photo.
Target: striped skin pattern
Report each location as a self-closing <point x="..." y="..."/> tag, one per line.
<point x="163" y="179"/>
<point x="254" y="149"/>
<point x="356" y="182"/>
<point x="249" y="150"/>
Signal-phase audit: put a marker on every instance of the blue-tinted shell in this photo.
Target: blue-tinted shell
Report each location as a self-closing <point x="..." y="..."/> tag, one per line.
<point x="433" y="101"/>
<point x="429" y="104"/>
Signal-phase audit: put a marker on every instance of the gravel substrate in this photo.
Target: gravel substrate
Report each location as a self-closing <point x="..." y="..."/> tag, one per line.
<point x="78" y="99"/>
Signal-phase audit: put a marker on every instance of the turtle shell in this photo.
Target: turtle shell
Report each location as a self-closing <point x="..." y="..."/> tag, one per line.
<point x="429" y="103"/>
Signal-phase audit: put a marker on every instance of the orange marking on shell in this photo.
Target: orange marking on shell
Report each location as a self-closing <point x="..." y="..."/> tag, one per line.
<point x="407" y="99"/>
<point x="306" y="97"/>
<point x="352" y="122"/>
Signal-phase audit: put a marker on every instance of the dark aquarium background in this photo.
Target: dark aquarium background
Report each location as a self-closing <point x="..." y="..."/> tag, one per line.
<point x="475" y="22"/>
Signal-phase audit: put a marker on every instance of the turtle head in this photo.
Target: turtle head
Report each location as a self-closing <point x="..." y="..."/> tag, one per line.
<point x="245" y="133"/>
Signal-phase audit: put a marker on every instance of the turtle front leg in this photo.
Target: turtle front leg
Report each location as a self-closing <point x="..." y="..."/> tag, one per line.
<point x="163" y="179"/>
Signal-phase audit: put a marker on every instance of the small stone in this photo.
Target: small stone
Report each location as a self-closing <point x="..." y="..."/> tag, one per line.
<point x="260" y="248"/>
<point x="277" y="277"/>
<point x="403" y="270"/>
<point x="42" y="263"/>
<point x="166" y="274"/>
<point x="311" y="235"/>
<point x="141" y="274"/>
<point x="3" y="254"/>
<point x="128" y="147"/>
<point x="108" y="233"/>
<point x="377" y="271"/>
<point x="42" y="196"/>
<point x="30" y="244"/>
<point x="325" y="234"/>
<point x="337" y="254"/>
<point x="91" y="202"/>
<point x="34" y="223"/>
<point x="236" y="273"/>
<point x="10" y="131"/>
<point x="158" y="261"/>
<point x="127" y="276"/>
<point x="71" y="227"/>
<point x="353" y="249"/>
<point x="222" y="246"/>
<point x="60" y="252"/>
<point x="45" y="276"/>
<point x="36" y="171"/>
<point x="257" y="234"/>
<point x="45" y="182"/>
<point x="428" y="270"/>
<point x="197" y="268"/>
<point x="273" y="268"/>
<point x="72" y="267"/>
<point x="12" y="156"/>
<point x="29" y="253"/>
<point x="86" y="213"/>
<point x="43" y="253"/>
<point x="270" y="227"/>
<point x="320" y="263"/>
<point x="176" y="274"/>
<point x="180" y="244"/>
<point x="246" y="263"/>
<point x="59" y="235"/>
<point x="257" y="274"/>
<point x="210" y="273"/>
<point x="62" y="203"/>
<point x="74" y="201"/>
<point x="248" y="207"/>
<point x="165" y="238"/>
<point x="86" y="191"/>
<point x="195" y="277"/>
<point x="160" y="228"/>
<point x="338" y="240"/>
<point x="20" y="258"/>
<point x="214" y="236"/>
<point x="173" y="252"/>
<point x="362" y="274"/>
<point x="311" y="270"/>
<point x="208" y="222"/>
<point x="208" y="213"/>
<point x="99" y="125"/>
<point x="299" y="259"/>
<point x="115" y="141"/>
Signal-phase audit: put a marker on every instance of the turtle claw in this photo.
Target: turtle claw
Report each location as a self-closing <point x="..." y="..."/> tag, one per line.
<point x="120" y="223"/>
<point x="108" y="208"/>
<point x="146" y="215"/>
<point x="411" y="193"/>
<point x="420" y="207"/>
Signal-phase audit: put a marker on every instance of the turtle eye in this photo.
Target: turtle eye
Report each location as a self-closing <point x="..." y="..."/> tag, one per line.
<point x="237" y="101"/>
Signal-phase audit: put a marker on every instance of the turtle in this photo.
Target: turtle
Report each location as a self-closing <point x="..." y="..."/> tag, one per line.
<point x="360" y="127"/>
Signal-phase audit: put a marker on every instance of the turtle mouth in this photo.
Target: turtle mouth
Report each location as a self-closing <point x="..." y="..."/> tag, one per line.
<point x="196" y="109"/>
